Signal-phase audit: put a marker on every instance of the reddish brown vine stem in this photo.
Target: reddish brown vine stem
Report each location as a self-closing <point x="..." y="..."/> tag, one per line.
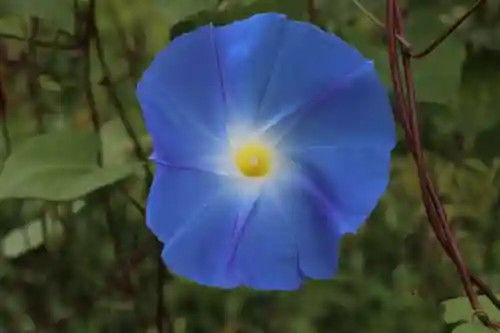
<point x="400" y="56"/>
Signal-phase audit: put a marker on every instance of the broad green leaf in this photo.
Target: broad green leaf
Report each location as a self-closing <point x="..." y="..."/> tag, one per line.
<point x="58" y="166"/>
<point x="59" y="182"/>
<point x="29" y="237"/>
<point x="459" y="309"/>
<point x="69" y="146"/>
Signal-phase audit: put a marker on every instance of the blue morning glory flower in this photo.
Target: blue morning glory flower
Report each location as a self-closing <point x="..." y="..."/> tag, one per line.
<point x="272" y="139"/>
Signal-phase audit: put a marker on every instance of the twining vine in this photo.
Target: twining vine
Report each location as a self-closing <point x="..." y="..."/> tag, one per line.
<point x="86" y="39"/>
<point x="401" y="55"/>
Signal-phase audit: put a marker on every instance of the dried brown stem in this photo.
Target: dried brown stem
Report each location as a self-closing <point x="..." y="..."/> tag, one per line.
<point x="406" y="113"/>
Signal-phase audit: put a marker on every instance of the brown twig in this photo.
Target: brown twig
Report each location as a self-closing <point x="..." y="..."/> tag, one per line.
<point x="87" y="39"/>
<point x="164" y="322"/>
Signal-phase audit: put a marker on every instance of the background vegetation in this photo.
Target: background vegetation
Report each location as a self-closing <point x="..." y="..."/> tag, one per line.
<point x="75" y="254"/>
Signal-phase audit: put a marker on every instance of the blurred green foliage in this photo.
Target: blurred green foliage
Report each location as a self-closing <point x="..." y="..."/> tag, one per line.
<point x="72" y="229"/>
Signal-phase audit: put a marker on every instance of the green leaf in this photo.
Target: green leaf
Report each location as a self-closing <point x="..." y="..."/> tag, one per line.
<point x="29" y="237"/>
<point x="58" y="166"/>
<point x="459" y="309"/>
<point x="59" y="182"/>
<point x="69" y="146"/>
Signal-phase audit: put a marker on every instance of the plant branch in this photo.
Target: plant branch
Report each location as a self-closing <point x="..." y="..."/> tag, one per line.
<point x="88" y="36"/>
<point x="406" y="113"/>
<point x="115" y="100"/>
<point x="163" y="316"/>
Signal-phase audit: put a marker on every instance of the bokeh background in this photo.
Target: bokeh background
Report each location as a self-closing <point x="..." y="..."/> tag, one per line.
<point x="75" y="254"/>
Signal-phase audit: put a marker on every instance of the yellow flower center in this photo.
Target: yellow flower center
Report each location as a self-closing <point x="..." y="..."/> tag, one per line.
<point x="253" y="159"/>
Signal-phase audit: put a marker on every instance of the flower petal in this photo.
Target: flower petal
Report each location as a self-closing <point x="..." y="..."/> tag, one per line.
<point x="193" y="213"/>
<point x="286" y="239"/>
<point x="308" y="61"/>
<point x="182" y="98"/>
<point x="248" y="50"/>
<point x="349" y="181"/>
<point x="357" y="113"/>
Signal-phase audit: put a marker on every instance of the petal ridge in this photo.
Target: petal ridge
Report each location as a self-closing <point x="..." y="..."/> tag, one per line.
<point x="181" y="99"/>
<point x="213" y="36"/>
<point x="248" y="50"/>
<point x="315" y="101"/>
<point x="358" y="114"/>
<point x="273" y="67"/>
<point x="241" y="220"/>
<point x="348" y="183"/>
<point x="310" y="58"/>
